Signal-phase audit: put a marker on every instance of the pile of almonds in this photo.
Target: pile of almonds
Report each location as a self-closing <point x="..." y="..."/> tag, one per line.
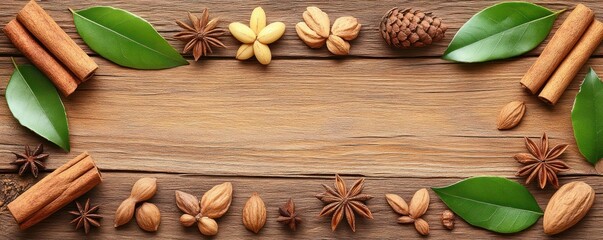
<point x="213" y="205"/>
<point x="148" y="216"/>
<point x="411" y="213"/>
<point x="316" y="30"/>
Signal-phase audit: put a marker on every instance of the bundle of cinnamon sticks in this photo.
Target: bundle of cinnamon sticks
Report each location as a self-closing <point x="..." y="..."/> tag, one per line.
<point x="56" y="190"/>
<point x="49" y="48"/>
<point x="569" y="49"/>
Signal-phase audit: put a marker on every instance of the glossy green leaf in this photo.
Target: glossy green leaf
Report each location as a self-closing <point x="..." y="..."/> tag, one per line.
<point x="125" y="39"/>
<point x="587" y="118"/>
<point x="493" y="203"/>
<point x="36" y="104"/>
<point x="501" y="31"/>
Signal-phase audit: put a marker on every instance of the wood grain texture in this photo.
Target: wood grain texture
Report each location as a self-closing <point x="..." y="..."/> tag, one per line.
<point x="404" y="119"/>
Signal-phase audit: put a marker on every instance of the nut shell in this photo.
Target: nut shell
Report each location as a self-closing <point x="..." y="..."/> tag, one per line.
<point x="144" y="189"/>
<point x="337" y="45"/>
<point x="309" y="36"/>
<point x="567" y="207"/>
<point x="124" y="212"/>
<point x="510" y="115"/>
<point x="318" y="21"/>
<point x="254" y="213"/>
<point x="187" y="203"/>
<point x="347" y="28"/>
<point x="148" y="217"/>
<point x="207" y="226"/>
<point x="216" y="201"/>
<point x="187" y="220"/>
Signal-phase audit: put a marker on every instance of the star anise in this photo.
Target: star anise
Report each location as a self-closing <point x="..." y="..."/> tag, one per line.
<point x="541" y="162"/>
<point x="201" y="36"/>
<point x="288" y="215"/>
<point x="86" y="216"/>
<point x="342" y="202"/>
<point x="31" y="159"/>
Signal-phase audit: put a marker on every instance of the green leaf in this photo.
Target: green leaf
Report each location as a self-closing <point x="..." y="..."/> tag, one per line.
<point x="35" y="103"/>
<point x="501" y="31"/>
<point x="587" y="118"/>
<point x="493" y="203"/>
<point x="125" y="39"/>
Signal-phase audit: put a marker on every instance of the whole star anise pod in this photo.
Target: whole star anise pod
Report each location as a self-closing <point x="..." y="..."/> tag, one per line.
<point x="201" y="36"/>
<point x="86" y="216"/>
<point x="288" y="215"/>
<point x="31" y="159"/>
<point x="341" y="201"/>
<point x="541" y="162"/>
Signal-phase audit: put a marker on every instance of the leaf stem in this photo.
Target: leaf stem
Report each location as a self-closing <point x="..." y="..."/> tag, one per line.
<point x="560" y="11"/>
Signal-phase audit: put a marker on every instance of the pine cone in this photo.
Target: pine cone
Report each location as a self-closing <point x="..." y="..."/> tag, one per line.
<point x="410" y="28"/>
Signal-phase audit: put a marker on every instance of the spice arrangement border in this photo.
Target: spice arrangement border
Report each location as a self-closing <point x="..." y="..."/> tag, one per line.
<point x="501" y="31"/>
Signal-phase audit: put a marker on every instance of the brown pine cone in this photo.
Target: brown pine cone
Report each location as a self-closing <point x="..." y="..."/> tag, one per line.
<point x="410" y="28"/>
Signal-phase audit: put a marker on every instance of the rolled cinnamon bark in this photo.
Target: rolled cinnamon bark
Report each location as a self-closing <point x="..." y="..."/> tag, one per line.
<point x="56" y="190"/>
<point x="557" y="49"/>
<point x="50" y="34"/>
<point x="33" y="51"/>
<point x="570" y="66"/>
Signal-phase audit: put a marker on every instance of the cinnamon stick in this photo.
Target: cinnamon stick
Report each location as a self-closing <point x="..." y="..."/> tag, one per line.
<point x="50" y="34"/>
<point x="33" y="51"/>
<point x="56" y="190"/>
<point x="557" y="49"/>
<point x="568" y="69"/>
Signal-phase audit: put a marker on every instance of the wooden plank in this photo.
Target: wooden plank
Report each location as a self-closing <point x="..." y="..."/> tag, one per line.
<point x="299" y="117"/>
<point x="274" y="192"/>
<point x="162" y="15"/>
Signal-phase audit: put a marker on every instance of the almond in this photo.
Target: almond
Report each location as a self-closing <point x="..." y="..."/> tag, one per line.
<point x="216" y="201"/>
<point x="422" y="226"/>
<point x="187" y="220"/>
<point x="148" y="217"/>
<point x="567" y="207"/>
<point x="207" y="226"/>
<point x="346" y="28"/>
<point x="318" y="21"/>
<point x="397" y="203"/>
<point x="144" y="189"/>
<point x="254" y="213"/>
<point x="309" y="36"/>
<point x="337" y="45"/>
<point x="419" y="203"/>
<point x="510" y="115"/>
<point x="187" y="203"/>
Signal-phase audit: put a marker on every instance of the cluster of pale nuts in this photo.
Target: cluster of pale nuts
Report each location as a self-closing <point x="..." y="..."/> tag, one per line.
<point x="256" y="36"/>
<point x="316" y="29"/>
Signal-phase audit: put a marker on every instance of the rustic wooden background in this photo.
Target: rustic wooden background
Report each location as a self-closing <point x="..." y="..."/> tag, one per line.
<point x="405" y="120"/>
